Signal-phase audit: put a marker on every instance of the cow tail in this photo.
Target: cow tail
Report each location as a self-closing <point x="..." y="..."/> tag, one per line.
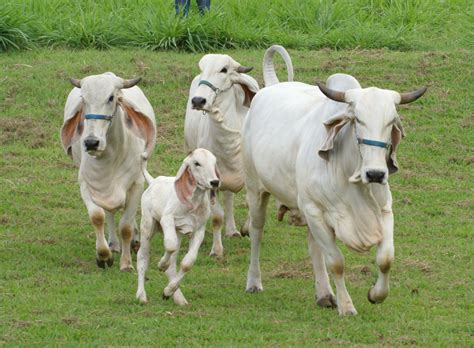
<point x="269" y="75"/>
<point x="147" y="175"/>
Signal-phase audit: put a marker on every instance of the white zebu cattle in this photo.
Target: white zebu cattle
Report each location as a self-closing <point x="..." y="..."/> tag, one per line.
<point x="108" y="126"/>
<point x="219" y="99"/>
<point x="177" y="206"/>
<point x="331" y="160"/>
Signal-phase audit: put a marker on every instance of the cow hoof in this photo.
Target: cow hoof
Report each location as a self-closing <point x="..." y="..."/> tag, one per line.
<point x="115" y="248"/>
<point x="232" y="234"/>
<point x="253" y="290"/>
<point x="135" y="246"/>
<point x="110" y="262"/>
<point x="374" y="299"/>
<point x="100" y="263"/>
<point x="165" y="297"/>
<point x="244" y="231"/>
<point x="348" y="313"/>
<point x="347" y="310"/>
<point x="327" y="301"/>
<point x="126" y="268"/>
<point x="216" y="255"/>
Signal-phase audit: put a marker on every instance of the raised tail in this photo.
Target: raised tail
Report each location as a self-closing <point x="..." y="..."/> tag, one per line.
<point x="147" y="175"/>
<point x="269" y="75"/>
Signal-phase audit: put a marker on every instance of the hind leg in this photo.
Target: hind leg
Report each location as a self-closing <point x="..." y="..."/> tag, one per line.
<point x="114" y="242"/>
<point x="257" y="201"/>
<point x="147" y="226"/>
<point x="230" y="229"/>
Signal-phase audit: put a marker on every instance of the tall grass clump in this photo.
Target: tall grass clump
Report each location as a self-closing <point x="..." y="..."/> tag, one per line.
<point x="14" y="30"/>
<point x="152" y="24"/>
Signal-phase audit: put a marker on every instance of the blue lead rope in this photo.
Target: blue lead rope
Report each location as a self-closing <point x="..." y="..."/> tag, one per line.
<point x="98" y="117"/>
<point x="373" y="143"/>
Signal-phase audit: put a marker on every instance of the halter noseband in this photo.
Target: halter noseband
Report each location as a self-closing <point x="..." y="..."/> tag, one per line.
<point x="211" y="86"/>
<point x="98" y="117"/>
<point x="370" y="142"/>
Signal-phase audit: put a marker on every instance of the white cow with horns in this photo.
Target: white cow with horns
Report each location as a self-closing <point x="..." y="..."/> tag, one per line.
<point x="218" y="102"/>
<point x="109" y="127"/>
<point x="327" y="152"/>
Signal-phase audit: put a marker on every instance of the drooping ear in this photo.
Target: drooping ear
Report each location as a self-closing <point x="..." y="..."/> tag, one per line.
<point x="333" y="126"/>
<point x="140" y="124"/>
<point x="71" y="131"/>
<point x="185" y="184"/>
<point x="249" y="85"/>
<point x="397" y="134"/>
<point x="213" y="192"/>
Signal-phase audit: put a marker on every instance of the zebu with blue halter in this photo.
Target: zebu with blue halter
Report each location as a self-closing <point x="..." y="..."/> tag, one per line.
<point x="327" y="152"/>
<point x="218" y="101"/>
<point x="109" y="125"/>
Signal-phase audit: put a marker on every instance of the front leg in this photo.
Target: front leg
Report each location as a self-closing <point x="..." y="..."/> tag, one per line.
<point x="230" y="228"/>
<point x="97" y="217"/>
<point x="127" y="224"/>
<point x="384" y="259"/>
<point x="217" y="218"/>
<point x="188" y="261"/>
<point x="325" y="238"/>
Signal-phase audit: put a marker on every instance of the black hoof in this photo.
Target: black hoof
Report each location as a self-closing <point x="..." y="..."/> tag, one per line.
<point x="326" y="302"/>
<point x="372" y="301"/>
<point x="253" y="290"/>
<point x="100" y="263"/>
<point x="110" y="262"/>
<point x="164" y="297"/>
<point x="135" y="246"/>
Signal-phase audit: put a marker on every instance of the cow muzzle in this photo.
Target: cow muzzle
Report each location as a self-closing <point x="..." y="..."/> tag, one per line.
<point x="92" y="145"/>
<point x="198" y="103"/>
<point x="377" y="176"/>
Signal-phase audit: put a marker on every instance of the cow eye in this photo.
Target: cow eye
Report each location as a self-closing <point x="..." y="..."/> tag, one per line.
<point x="224" y="70"/>
<point x="111" y="99"/>
<point x="197" y="164"/>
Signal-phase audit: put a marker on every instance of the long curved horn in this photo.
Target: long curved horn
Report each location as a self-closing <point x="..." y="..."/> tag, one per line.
<point x="75" y="82"/>
<point x="409" y="97"/>
<point x="332" y="94"/>
<point x="131" y="82"/>
<point x="244" y="69"/>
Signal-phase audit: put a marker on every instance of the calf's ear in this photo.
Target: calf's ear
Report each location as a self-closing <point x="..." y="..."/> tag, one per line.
<point x="333" y="126"/>
<point x="185" y="184"/>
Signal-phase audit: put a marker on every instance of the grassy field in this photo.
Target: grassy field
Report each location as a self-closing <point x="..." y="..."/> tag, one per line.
<point x="52" y="292"/>
<point x="152" y="24"/>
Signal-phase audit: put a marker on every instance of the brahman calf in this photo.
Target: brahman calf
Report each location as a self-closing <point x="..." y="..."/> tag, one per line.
<point x="327" y="152"/>
<point x="177" y="206"/>
<point x="108" y="125"/>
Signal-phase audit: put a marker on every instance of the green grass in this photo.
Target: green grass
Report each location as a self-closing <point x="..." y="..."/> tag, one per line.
<point x="152" y="24"/>
<point x="52" y="293"/>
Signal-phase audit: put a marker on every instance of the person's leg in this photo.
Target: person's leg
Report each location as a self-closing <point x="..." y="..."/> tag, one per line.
<point x="203" y="5"/>
<point x="182" y="4"/>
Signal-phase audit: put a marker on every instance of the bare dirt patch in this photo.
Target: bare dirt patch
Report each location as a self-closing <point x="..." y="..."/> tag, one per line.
<point x="24" y="130"/>
<point x="288" y="270"/>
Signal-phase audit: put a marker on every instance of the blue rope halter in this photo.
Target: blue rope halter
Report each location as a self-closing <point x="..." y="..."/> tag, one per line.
<point x="98" y="117"/>
<point x="370" y="142"/>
